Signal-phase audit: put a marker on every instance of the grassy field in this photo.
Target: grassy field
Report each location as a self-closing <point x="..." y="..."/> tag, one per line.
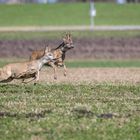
<point x="103" y="63"/>
<point x="71" y="111"/>
<point x="65" y="112"/>
<point x="56" y="111"/>
<point x="59" y="35"/>
<point x="86" y="63"/>
<point x="68" y="14"/>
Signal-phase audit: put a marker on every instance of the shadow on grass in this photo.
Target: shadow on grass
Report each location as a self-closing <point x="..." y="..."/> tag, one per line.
<point x="79" y="113"/>
<point x="30" y="115"/>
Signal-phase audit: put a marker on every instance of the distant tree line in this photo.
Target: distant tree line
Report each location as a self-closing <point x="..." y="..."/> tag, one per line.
<point x="96" y="0"/>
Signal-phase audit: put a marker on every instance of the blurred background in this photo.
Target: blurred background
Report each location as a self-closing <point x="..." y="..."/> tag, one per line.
<point x="104" y="32"/>
<point x="54" y="1"/>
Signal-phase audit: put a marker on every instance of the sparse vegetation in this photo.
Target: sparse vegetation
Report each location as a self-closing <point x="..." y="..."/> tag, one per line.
<point x="87" y="63"/>
<point x="102" y="111"/>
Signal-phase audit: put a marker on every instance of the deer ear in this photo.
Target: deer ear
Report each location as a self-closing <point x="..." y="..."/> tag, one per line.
<point x="69" y="35"/>
<point x="66" y="34"/>
<point x="64" y="39"/>
<point x="47" y="49"/>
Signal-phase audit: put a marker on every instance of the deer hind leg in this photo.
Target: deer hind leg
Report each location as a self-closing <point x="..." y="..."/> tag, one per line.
<point x="6" y="80"/>
<point x="55" y="75"/>
<point x="5" y="77"/>
<point x="54" y="69"/>
<point x="23" y="80"/>
<point x="37" y="76"/>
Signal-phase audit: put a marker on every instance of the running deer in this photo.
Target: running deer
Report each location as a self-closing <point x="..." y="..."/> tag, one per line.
<point x="25" y="70"/>
<point x="58" y="53"/>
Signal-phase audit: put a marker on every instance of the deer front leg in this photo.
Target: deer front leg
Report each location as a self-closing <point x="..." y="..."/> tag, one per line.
<point x="22" y="80"/>
<point x="65" y="70"/>
<point x="61" y="64"/>
<point x="37" y="76"/>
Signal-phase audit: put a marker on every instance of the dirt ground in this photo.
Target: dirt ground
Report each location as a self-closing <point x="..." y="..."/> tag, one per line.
<point x="93" y="75"/>
<point x="85" y="48"/>
<point x="88" y="76"/>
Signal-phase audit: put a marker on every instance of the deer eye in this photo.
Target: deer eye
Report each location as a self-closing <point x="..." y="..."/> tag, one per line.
<point x="49" y="54"/>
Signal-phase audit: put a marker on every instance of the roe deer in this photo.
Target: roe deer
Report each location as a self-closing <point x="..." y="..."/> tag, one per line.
<point x="58" y="53"/>
<point x="25" y="70"/>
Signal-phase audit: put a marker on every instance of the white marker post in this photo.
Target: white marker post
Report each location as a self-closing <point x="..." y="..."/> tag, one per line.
<point x="92" y="13"/>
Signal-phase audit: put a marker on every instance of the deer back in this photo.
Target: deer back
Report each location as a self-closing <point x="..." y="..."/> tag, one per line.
<point x="37" y="54"/>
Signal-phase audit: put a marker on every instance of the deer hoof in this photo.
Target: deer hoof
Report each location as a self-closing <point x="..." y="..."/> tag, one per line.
<point x="35" y="84"/>
<point x="55" y="77"/>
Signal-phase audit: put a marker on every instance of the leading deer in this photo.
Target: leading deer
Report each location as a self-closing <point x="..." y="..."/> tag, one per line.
<point x="25" y="70"/>
<point x="58" y="53"/>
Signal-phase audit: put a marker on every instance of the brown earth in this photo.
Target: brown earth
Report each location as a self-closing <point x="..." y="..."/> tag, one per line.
<point x="85" y="48"/>
<point x="92" y="76"/>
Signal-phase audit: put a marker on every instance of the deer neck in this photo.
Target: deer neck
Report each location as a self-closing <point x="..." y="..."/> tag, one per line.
<point x="41" y="62"/>
<point x="61" y="47"/>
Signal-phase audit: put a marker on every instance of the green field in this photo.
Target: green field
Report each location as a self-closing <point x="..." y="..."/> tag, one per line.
<point x="87" y="63"/>
<point x="68" y="14"/>
<point x="59" y="35"/>
<point x="103" y="63"/>
<point x="69" y="112"/>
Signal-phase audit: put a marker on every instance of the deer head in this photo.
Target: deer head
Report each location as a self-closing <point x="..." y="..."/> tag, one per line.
<point x="68" y="43"/>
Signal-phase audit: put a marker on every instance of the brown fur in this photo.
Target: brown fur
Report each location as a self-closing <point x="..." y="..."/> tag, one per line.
<point x="58" y="54"/>
<point x="25" y="70"/>
<point x="37" y="54"/>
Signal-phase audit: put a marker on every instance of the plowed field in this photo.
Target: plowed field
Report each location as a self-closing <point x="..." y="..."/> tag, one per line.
<point x="85" y="48"/>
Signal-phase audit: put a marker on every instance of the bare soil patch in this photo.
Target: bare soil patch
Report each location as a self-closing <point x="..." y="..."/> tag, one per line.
<point x="92" y="75"/>
<point x="85" y="48"/>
